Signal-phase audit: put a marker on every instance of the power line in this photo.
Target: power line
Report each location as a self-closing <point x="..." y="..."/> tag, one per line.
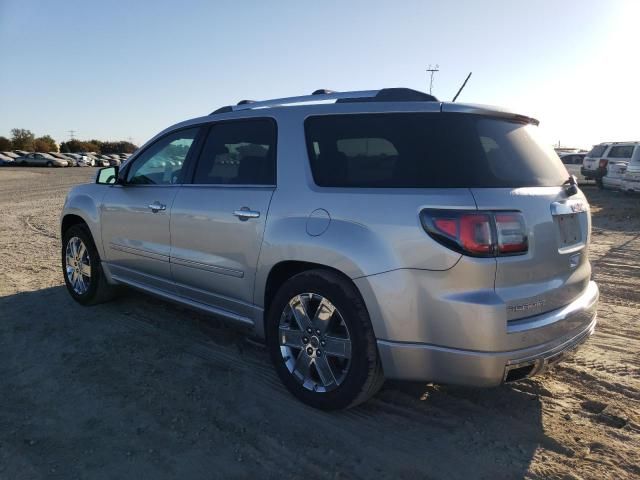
<point x="432" y="70"/>
<point x="72" y="134"/>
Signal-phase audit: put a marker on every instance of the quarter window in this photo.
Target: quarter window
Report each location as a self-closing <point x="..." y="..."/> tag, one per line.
<point x="621" y="151"/>
<point x="239" y="153"/>
<point x="161" y="163"/>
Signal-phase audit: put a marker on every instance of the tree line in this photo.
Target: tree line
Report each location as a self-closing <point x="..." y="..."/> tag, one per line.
<point x="22" y="139"/>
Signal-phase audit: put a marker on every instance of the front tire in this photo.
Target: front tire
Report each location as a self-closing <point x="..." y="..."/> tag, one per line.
<point x="81" y="268"/>
<point x="321" y="341"/>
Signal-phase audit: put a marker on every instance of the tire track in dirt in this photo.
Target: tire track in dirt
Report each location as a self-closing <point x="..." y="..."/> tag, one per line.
<point x="580" y="419"/>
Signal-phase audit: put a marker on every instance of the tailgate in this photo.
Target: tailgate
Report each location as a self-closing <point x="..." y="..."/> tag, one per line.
<point x="590" y="163"/>
<point x="555" y="269"/>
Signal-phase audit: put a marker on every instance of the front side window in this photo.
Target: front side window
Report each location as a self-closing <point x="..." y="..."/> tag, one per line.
<point x="621" y="151"/>
<point x="239" y="153"/>
<point x="428" y="150"/>
<point x="161" y="163"/>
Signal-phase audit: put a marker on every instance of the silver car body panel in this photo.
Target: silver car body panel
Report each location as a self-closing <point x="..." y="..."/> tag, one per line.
<point x="432" y="309"/>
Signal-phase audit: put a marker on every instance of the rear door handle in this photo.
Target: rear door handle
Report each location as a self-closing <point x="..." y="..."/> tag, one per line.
<point x="155" y="207"/>
<point x="245" y="214"/>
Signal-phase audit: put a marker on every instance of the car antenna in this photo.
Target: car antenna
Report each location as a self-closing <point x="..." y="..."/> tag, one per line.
<point x="463" y="84"/>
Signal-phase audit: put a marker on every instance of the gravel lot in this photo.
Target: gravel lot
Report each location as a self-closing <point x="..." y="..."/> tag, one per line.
<point x="138" y="388"/>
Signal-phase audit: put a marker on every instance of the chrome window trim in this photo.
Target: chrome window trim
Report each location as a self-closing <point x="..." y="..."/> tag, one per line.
<point x="224" y="185"/>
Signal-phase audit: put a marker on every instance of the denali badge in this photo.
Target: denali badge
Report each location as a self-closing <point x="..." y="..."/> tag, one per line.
<point x="526" y="306"/>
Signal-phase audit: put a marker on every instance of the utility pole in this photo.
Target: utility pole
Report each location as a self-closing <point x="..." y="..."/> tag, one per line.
<point x="431" y="70"/>
<point x="72" y="134"/>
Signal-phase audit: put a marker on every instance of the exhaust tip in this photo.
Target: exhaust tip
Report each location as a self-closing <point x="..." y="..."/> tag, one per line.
<point x="518" y="373"/>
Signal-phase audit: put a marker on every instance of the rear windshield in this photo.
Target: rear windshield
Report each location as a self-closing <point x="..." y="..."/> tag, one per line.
<point x="597" y="151"/>
<point x="428" y="150"/>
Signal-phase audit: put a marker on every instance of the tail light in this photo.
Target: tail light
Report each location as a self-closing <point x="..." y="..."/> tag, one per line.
<point x="603" y="162"/>
<point x="478" y="234"/>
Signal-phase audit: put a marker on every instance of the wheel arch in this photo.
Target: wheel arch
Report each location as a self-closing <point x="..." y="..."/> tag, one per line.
<point x="283" y="271"/>
<point x="69" y="221"/>
<point x="81" y="207"/>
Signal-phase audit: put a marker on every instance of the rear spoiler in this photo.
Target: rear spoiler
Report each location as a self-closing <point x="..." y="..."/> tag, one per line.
<point x="487" y="110"/>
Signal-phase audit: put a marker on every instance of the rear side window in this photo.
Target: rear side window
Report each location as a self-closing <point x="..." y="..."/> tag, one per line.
<point x="621" y="151"/>
<point x="239" y="153"/>
<point x="428" y="150"/>
<point x="597" y="151"/>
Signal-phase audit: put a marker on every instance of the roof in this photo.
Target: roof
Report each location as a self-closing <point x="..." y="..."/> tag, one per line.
<point x="324" y="95"/>
<point x="362" y="101"/>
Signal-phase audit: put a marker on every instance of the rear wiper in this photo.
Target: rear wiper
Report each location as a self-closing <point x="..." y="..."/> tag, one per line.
<point x="570" y="186"/>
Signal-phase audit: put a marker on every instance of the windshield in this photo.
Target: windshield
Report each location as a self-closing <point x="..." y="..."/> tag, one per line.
<point x="429" y="150"/>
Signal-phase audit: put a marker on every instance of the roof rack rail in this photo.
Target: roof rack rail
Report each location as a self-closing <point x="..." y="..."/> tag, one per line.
<point x="383" y="95"/>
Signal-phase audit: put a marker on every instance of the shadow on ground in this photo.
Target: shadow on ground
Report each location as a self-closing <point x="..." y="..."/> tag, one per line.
<point x="138" y="388"/>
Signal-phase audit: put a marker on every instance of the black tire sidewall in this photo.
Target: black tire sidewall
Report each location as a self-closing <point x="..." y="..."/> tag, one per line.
<point x="83" y="234"/>
<point x="344" y="296"/>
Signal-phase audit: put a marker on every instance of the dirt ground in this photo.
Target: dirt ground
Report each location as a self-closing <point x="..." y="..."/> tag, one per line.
<point x="139" y="388"/>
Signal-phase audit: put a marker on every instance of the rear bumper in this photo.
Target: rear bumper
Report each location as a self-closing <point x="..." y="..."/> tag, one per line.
<point x="423" y="362"/>
<point x="599" y="172"/>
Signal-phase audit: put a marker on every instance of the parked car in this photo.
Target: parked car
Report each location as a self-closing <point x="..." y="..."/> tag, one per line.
<point x="21" y="153"/>
<point x="93" y="161"/>
<point x="631" y="179"/>
<point x="573" y="163"/>
<point x="80" y="160"/>
<point x="62" y="156"/>
<point x="336" y="232"/>
<point x="10" y="155"/>
<point x="41" y="160"/>
<point x="97" y="159"/>
<point x="114" y="160"/>
<point x="6" y="160"/>
<point x="595" y="163"/>
<point x="615" y="174"/>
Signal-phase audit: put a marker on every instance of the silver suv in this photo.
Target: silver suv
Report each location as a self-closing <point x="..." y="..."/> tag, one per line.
<point x="382" y="235"/>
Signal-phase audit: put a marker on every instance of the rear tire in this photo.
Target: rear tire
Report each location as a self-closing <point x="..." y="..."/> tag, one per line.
<point x="49" y="164"/>
<point x="85" y="289"/>
<point x="353" y="380"/>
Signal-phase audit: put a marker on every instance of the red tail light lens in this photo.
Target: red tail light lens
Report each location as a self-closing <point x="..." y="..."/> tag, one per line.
<point x="478" y="234"/>
<point x="475" y="233"/>
<point x="603" y="162"/>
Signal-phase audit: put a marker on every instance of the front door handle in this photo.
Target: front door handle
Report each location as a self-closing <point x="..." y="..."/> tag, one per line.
<point x="245" y="214"/>
<point x="157" y="207"/>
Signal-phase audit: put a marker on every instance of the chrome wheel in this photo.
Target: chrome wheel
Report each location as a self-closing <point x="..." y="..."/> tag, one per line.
<point x="314" y="342"/>
<point x="78" y="265"/>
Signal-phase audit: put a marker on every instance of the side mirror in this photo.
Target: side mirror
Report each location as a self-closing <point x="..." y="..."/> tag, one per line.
<point x="107" y="176"/>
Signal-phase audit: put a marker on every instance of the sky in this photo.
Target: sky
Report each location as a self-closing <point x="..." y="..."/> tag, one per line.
<point x="116" y="70"/>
